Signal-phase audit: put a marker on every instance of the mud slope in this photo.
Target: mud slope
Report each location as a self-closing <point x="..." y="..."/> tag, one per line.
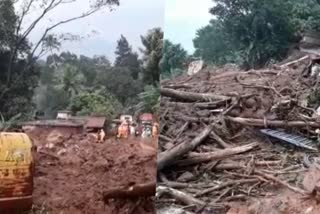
<point x="72" y="176"/>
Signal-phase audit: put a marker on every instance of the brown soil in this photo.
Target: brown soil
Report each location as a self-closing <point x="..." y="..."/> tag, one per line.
<point x="72" y="176"/>
<point x="285" y="202"/>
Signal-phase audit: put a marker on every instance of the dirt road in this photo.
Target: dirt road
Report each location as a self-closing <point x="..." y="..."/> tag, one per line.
<point x="71" y="176"/>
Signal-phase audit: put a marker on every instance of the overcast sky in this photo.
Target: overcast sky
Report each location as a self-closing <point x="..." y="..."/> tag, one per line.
<point x="183" y="18"/>
<point x="132" y="19"/>
<point x="179" y="18"/>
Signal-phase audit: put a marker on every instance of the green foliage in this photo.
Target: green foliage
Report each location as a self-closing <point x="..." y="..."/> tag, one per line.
<point x="87" y="84"/>
<point x="152" y="54"/>
<point x="17" y="80"/>
<point x="64" y="77"/>
<point x="18" y="98"/>
<point x="8" y="21"/>
<point x="5" y="125"/>
<point x="126" y="58"/>
<point x="72" y="80"/>
<point x="246" y="32"/>
<point x="211" y="44"/>
<point x="87" y="103"/>
<point x="305" y="15"/>
<point x="120" y="83"/>
<point x="173" y="59"/>
<point x="149" y="99"/>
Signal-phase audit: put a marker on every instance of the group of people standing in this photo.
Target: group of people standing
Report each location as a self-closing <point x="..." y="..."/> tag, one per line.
<point x="125" y="130"/>
<point x="128" y="128"/>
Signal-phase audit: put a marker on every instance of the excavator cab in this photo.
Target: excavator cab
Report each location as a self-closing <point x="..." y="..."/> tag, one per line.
<point x="16" y="172"/>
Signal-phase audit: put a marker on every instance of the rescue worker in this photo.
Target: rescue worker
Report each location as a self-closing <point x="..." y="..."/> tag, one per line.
<point x="120" y="131"/>
<point x="101" y="136"/>
<point x="155" y="129"/>
<point x="125" y="130"/>
<point x="98" y="137"/>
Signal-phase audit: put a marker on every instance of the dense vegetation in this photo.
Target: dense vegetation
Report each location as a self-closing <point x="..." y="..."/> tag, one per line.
<point x="93" y="85"/>
<point x="174" y="59"/>
<point x="30" y="83"/>
<point x="254" y="33"/>
<point x="250" y="33"/>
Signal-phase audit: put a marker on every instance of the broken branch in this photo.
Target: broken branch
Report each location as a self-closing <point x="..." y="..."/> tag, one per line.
<point x="217" y="155"/>
<point x="166" y="158"/>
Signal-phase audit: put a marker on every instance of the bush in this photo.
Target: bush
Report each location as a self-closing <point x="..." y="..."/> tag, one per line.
<point x="88" y="103"/>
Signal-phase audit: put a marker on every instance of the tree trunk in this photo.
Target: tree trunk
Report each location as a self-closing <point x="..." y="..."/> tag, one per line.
<point x="217" y="155"/>
<point x="167" y="157"/>
<point x="272" y="123"/>
<point x="192" y="97"/>
<point x="139" y="190"/>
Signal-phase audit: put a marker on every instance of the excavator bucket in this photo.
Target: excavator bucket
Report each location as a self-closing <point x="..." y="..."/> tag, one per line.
<point x="16" y="172"/>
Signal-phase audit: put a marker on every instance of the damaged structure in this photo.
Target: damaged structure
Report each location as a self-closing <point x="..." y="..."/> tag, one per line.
<point x="231" y="139"/>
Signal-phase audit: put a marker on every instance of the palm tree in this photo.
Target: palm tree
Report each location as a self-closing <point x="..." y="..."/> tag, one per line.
<point x="71" y="80"/>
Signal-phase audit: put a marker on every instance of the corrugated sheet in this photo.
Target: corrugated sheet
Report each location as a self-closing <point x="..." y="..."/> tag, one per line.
<point x="146" y="116"/>
<point x="96" y="122"/>
<point x="55" y="123"/>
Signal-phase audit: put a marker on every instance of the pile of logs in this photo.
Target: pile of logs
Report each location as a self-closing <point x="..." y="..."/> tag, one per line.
<point x="209" y="154"/>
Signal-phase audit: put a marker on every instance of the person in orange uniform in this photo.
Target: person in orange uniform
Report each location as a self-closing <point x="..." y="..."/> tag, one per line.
<point x="155" y="129"/>
<point x="123" y="130"/>
<point x="120" y="131"/>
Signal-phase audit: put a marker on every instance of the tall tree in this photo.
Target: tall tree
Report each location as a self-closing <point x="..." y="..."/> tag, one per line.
<point x="152" y="54"/>
<point x="173" y="59"/>
<point x="47" y="40"/>
<point x="18" y="97"/>
<point x="122" y="51"/>
<point x="119" y="82"/>
<point x="253" y="31"/>
<point x="126" y="58"/>
<point x="212" y="45"/>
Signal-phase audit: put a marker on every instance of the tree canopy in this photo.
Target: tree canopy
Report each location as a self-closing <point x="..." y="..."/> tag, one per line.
<point x="126" y="58"/>
<point x="64" y="80"/>
<point x="173" y="59"/>
<point x="152" y="54"/>
<point x="252" y="33"/>
<point x="20" y="70"/>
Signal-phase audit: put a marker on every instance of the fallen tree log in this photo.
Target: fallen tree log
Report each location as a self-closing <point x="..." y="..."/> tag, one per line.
<point x="188" y="199"/>
<point x="294" y="61"/>
<point x="165" y="138"/>
<point x="180" y="196"/>
<point x="193" y="119"/>
<point x="138" y="190"/>
<point x="191" y="96"/>
<point x="212" y="105"/>
<point x="226" y="184"/>
<point x="219" y="140"/>
<point x="217" y="155"/>
<point x="272" y="123"/>
<point x="186" y="86"/>
<point x="277" y="180"/>
<point x="239" y="165"/>
<point x="167" y="157"/>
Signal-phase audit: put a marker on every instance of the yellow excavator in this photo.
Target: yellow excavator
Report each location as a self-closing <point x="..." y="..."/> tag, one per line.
<point x="16" y="172"/>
